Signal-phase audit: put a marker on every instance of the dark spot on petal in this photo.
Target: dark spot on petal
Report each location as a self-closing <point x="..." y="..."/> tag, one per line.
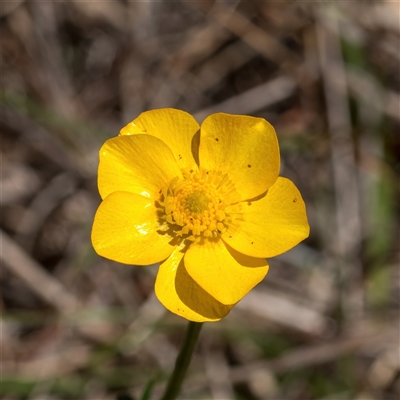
<point x="252" y="242"/>
<point x="249" y="166"/>
<point x="294" y="200"/>
<point x="249" y="203"/>
<point x="230" y="237"/>
<point x="216" y="139"/>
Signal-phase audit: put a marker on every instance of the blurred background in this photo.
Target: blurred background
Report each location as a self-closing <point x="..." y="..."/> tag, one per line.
<point x="324" y="324"/>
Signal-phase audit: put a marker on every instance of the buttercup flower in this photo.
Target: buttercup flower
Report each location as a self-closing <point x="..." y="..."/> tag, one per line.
<point x="206" y="202"/>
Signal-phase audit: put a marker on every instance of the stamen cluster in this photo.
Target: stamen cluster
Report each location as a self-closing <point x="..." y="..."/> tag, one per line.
<point x="197" y="203"/>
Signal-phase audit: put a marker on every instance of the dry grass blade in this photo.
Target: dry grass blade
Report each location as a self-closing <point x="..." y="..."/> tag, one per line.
<point x="254" y="99"/>
<point x="317" y="355"/>
<point x="348" y="224"/>
<point x="52" y="365"/>
<point x="283" y="311"/>
<point x="254" y="36"/>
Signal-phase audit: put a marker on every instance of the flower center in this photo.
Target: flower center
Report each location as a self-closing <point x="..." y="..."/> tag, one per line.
<point x="196" y="206"/>
<point x="197" y="201"/>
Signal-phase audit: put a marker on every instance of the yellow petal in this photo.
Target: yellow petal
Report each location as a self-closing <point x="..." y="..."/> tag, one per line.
<point x="223" y="272"/>
<point x="139" y="164"/>
<point x="272" y="225"/>
<point x="174" y="127"/>
<point x="244" y="147"/>
<point x="125" y="229"/>
<point x="180" y="294"/>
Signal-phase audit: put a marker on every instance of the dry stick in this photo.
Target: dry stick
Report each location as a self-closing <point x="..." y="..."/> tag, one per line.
<point x="199" y="46"/>
<point x="47" y="287"/>
<point x="43" y="204"/>
<point x="34" y="275"/>
<point x="251" y="34"/>
<point x="254" y="99"/>
<point x="208" y="74"/>
<point x="221" y="64"/>
<point x="343" y="165"/>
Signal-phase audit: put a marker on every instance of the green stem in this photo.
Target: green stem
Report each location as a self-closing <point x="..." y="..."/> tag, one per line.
<point x="183" y="361"/>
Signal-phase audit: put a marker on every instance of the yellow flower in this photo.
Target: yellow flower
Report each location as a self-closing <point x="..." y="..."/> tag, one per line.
<point x="206" y="202"/>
